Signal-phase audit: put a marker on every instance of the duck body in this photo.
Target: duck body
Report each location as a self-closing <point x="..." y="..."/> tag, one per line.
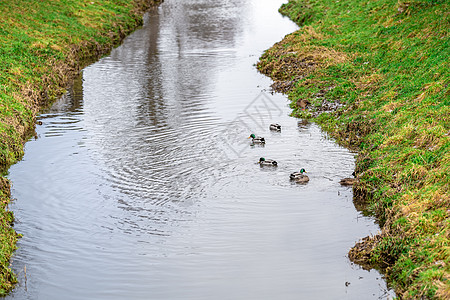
<point x="348" y="181"/>
<point x="303" y="103"/>
<point x="299" y="176"/>
<point x="275" y="127"/>
<point x="267" y="162"/>
<point x="257" y="139"/>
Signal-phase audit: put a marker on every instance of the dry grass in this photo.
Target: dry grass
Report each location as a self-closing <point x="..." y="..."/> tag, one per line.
<point x="295" y="57"/>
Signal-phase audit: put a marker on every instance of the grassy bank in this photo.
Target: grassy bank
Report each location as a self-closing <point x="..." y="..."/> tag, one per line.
<point x="43" y="44"/>
<point x="376" y="75"/>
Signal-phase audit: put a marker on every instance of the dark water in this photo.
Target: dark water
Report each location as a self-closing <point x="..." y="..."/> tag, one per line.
<point x="142" y="183"/>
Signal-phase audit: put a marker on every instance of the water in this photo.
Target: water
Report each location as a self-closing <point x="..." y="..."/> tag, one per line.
<point x="142" y="183"/>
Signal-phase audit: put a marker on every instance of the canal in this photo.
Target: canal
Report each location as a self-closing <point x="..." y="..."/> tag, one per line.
<point x="142" y="182"/>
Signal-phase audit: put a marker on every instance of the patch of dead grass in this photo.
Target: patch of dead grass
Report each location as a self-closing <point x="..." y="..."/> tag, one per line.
<point x="295" y="57"/>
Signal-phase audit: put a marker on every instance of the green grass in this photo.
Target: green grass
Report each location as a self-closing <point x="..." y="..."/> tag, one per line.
<point x="43" y="44"/>
<point x="387" y="64"/>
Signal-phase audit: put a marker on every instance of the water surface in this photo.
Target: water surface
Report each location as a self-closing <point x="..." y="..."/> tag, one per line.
<point x="142" y="183"/>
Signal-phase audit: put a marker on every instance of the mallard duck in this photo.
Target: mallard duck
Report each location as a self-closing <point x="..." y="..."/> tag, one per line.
<point x="299" y="176"/>
<point x="267" y="162"/>
<point x="257" y="139"/>
<point x="348" y="181"/>
<point x="303" y="103"/>
<point x="275" y="127"/>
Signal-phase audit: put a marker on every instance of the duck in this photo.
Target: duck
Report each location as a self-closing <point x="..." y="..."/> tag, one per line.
<point x="303" y="103"/>
<point x="275" y="127"/>
<point x="257" y="139"/>
<point x="348" y="181"/>
<point x="267" y="162"/>
<point x="299" y="176"/>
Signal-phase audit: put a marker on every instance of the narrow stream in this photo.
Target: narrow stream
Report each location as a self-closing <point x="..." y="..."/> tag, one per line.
<point x="142" y="183"/>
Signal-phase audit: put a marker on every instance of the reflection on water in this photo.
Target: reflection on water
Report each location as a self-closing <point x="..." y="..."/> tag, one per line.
<point x="143" y="184"/>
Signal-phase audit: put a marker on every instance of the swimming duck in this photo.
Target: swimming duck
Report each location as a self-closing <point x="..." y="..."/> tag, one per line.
<point x="275" y="127"/>
<point x="267" y="162"/>
<point x="348" y="181"/>
<point x="299" y="176"/>
<point x="257" y="139"/>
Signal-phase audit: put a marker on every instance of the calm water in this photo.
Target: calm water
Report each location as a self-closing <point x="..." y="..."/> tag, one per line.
<point x="142" y="183"/>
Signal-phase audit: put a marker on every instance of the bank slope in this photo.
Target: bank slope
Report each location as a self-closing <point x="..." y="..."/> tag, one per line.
<point x="43" y="44"/>
<point x="376" y="75"/>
